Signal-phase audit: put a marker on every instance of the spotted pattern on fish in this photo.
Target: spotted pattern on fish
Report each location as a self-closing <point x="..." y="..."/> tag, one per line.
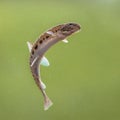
<point x="41" y="45"/>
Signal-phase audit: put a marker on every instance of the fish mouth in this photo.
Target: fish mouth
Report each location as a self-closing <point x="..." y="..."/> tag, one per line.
<point x="77" y="27"/>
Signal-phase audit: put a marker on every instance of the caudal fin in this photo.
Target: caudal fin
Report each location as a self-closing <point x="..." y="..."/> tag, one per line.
<point x="47" y="103"/>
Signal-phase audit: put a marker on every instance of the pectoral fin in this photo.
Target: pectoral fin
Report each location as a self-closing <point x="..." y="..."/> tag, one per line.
<point x="65" y="41"/>
<point x="29" y="46"/>
<point x="45" y="61"/>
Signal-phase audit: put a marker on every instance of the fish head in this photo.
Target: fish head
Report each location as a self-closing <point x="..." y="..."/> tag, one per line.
<point x="69" y="28"/>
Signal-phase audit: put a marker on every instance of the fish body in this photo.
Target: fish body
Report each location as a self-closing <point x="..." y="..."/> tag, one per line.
<point x="38" y="49"/>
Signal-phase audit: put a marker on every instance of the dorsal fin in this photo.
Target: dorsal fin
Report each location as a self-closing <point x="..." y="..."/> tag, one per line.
<point x="29" y="46"/>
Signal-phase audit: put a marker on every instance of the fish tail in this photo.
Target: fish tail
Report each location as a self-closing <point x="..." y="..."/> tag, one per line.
<point x="47" y="102"/>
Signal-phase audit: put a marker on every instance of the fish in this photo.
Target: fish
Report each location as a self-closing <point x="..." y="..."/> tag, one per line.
<point x="41" y="45"/>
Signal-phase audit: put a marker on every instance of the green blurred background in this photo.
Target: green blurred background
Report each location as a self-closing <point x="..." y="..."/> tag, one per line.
<point x="83" y="80"/>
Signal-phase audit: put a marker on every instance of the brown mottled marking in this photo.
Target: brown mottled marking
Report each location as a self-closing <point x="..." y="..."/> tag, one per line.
<point x="32" y="52"/>
<point x="47" y="36"/>
<point x="36" y="46"/>
<point x="40" y="41"/>
<point x="56" y="29"/>
<point x="44" y="36"/>
<point x="41" y="37"/>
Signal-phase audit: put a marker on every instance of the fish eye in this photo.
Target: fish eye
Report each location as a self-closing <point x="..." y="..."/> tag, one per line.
<point x="70" y="24"/>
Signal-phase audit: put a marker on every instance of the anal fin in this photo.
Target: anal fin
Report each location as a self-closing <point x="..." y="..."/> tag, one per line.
<point x="29" y="46"/>
<point x="43" y="85"/>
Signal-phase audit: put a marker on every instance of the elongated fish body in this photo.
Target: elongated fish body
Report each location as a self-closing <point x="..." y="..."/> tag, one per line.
<point x="38" y="49"/>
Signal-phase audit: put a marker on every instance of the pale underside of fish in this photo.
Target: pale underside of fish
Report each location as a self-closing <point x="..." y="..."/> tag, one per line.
<point x="42" y="44"/>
